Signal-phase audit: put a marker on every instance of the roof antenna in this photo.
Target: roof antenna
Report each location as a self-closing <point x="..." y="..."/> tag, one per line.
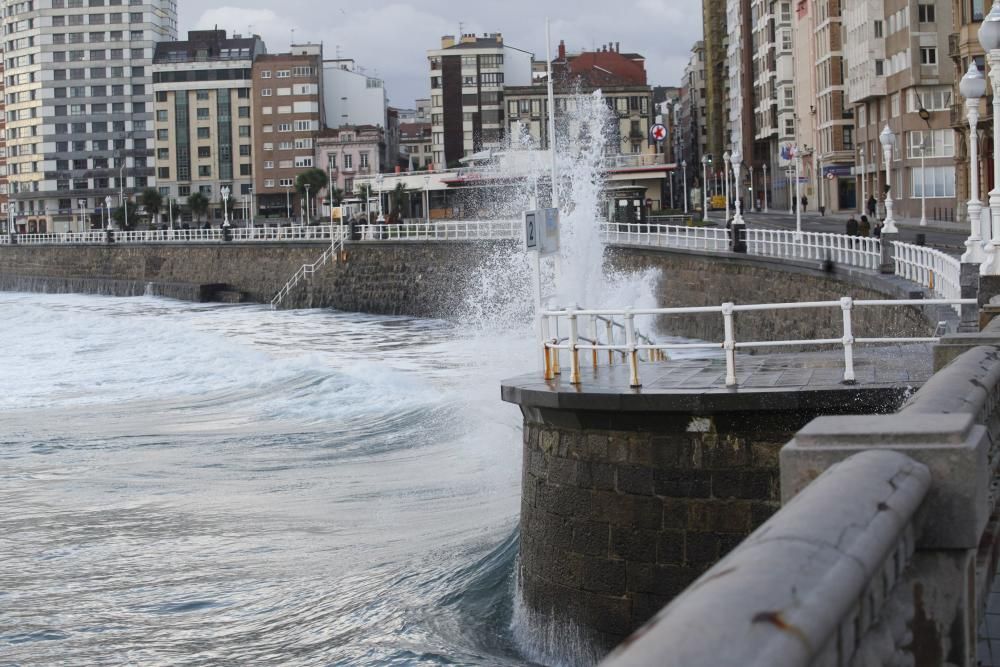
<point x="461" y="30"/>
<point x="292" y="43"/>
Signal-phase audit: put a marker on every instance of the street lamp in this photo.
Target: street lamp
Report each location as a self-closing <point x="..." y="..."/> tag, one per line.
<point x="121" y="185"/>
<point x="973" y="87"/>
<point x="170" y="213"/>
<point x="427" y="196"/>
<point x="989" y="39"/>
<point x="923" y="182"/>
<point x="288" y="202"/>
<point x="764" y="186"/>
<point x="225" y="206"/>
<point x="864" y="178"/>
<point x="378" y="181"/>
<point x="753" y="201"/>
<point x="735" y="158"/>
<point x="83" y="204"/>
<point x="250" y="195"/>
<point x="725" y="179"/>
<point x="798" y="193"/>
<point x="306" y="185"/>
<point x="107" y="210"/>
<point x="684" y="192"/>
<point x="888" y="140"/>
<point x="705" y="161"/>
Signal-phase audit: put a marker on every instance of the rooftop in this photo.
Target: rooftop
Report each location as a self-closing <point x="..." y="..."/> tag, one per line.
<point x="209" y="45"/>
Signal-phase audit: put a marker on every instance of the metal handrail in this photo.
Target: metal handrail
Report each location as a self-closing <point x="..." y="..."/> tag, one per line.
<point x="633" y="345"/>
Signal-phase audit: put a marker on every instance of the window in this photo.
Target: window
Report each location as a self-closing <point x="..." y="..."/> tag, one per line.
<point x="245" y="150"/>
<point x="939" y="181"/>
<point x="268" y="182"/>
<point x="244" y="131"/>
<point x="244" y="112"/>
<point x="268" y="164"/>
<point x="925" y="13"/>
<point x="285" y="127"/>
<point x="878" y="30"/>
<point x="363" y="160"/>
<point x="161" y="115"/>
<point x="283" y="74"/>
<point x="265" y="92"/>
<point x="928" y="55"/>
<point x="302" y="71"/>
<point x="304" y="125"/>
<point x="265" y="74"/>
<point x="201" y="94"/>
<point x="204" y="151"/>
<point x="303" y="161"/>
<point x="204" y="170"/>
<point x="203" y="113"/>
<point x="939" y="143"/>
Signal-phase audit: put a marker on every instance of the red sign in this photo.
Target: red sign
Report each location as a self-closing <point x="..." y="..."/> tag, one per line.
<point x="658" y="132"/>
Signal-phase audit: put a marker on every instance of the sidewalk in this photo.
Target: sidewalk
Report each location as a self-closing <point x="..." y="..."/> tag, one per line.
<point x="904" y="223"/>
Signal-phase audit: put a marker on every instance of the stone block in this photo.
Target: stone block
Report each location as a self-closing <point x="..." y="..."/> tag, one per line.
<point x="682" y="483"/>
<point x="592" y="475"/>
<point x="562" y="471"/>
<point x="746" y="484"/>
<point x="952" y="446"/>
<point x="670" y="547"/>
<point x="567" y="501"/>
<point x="701" y="547"/>
<point x="650" y="578"/>
<point x="602" y="575"/>
<point x="646" y="605"/>
<point x="675" y="514"/>
<point x="637" y="480"/>
<point x="591" y="538"/>
<point x="634" y="544"/>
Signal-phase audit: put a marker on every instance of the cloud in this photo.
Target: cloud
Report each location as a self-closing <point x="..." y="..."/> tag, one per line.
<point x="391" y="38"/>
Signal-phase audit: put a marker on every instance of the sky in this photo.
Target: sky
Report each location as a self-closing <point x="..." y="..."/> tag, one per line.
<point x="390" y="38"/>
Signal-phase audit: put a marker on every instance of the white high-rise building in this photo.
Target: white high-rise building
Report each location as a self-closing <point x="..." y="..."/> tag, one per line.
<point x="79" y="104"/>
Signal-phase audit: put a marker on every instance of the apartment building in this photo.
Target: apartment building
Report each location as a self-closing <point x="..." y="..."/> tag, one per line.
<point x="963" y="48"/>
<point x="804" y="113"/>
<point x="79" y="103"/>
<point x="739" y="61"/>
<point x="287" y="113"/>
<point x="716" y="80"/>
<point x="467" y="93"/>
<point x="773" y="71"/>
<point x="415" y="143"/>
<point x="6" y="220"/>
<point x="692" y="136"/>
<point x="349" y="152"/>
<point x="203" y="116"/>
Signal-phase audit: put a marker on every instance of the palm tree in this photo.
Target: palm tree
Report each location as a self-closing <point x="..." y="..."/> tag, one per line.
<point x="152" y="201"/>
<point x="315" y="179"/>
<point x="397" y="200"/>
<point x="198" y="203"/>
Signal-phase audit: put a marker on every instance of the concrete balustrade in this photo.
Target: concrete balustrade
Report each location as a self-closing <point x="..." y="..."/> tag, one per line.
<point x="883" y="553"/>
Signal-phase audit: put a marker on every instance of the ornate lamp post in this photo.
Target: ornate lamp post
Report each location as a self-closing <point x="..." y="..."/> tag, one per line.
<point x="107" y="209"/>
<point x="888" y="141"/>
<point x="973" y="87"/>
<point x="798" y="193"/>
<point x="705" y="161"/>
<point x="864" y="178"/>
<point x="225" y="206"/>
<point x="378" y="181"/>
<point x="989" y="38"/>
<point x="684" y="191"/>
<point x="427" y="199"/>
<point x="764" y="187"/>
<point x="725" y="179"/>
<point x="735" y="159"/>
<point x="307" y="202"/>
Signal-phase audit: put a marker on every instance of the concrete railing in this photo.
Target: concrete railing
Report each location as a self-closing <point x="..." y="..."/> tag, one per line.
<point x="884" y="553"/>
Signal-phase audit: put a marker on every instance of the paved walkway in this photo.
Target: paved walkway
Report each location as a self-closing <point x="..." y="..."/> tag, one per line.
<point x="765" y="381"/>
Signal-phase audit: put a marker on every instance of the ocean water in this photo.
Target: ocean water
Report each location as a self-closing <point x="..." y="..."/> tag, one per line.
<point x="225" y="485"/>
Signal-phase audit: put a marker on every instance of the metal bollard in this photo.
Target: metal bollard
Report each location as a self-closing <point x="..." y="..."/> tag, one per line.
<point x="574" y="353"/>
<point x="633" y="358"/>
<point x="846" y="305"/>
<point x="729" y="344"/>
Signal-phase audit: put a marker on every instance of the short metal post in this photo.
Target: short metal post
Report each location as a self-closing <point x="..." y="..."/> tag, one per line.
<point x="593" y="337"/>
<point x="846" y="304"/>
<point x="633" y="357"/>
<point x="574" y="353"/>
<point x="546" y="352"/>
<point x="556" y="370"/>
<point x="729" y="344"/>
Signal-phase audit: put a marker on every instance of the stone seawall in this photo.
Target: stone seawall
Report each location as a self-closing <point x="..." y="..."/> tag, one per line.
<point x="692" y="278"/>
<point x="426" y="279"/>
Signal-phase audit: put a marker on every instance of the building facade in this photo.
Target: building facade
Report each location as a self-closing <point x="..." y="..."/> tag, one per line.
<point x="467" y="99"/>
<point x="691" y="134"/>
<point x="287" y="115"/>
<point x="415" y="142"/>
<point x="203" y="118"/>
<point x="716" y="125"/>
<point x="348" y="153"/>
<point x="79" y="104"/>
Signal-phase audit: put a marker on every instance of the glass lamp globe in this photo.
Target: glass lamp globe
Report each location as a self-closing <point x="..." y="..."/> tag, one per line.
<point x="887" y="138"/>
<point x="989" y="31"/>
<point x="973" y="84"/>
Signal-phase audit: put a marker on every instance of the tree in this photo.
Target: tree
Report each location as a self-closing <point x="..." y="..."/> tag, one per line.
<point x="336" y="195"/>
<point x="198" y="203"/>
<point x="152" y="201"/>
<point x="119" y="217"/>
<point x="397" y="200"/>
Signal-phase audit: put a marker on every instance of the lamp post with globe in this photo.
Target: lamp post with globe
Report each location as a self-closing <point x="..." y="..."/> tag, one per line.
<point x="889" y="231"/>
<point x="989" y="38"/>
<point x="973" y="87"/>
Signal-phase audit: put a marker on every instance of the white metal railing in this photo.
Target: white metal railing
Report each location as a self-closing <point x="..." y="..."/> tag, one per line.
<point x="933" y="269"/>
<point x="860" y="251"/>
<point x="626" y="160"/>
<point x="459" y="230"/>
<point x="306" y="270"/>
<point x="630" y="348"/>
<point x="666" y="236"/>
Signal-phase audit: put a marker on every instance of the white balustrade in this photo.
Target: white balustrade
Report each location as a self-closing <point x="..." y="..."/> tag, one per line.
<point x="665" y="236"/>
<point x="585" y="319"/>
<point x="929" y="268"/>
<point x="860" y="251"/>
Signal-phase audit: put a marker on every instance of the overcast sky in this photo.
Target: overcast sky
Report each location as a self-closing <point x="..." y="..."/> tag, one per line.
<point x="391" y="38"/>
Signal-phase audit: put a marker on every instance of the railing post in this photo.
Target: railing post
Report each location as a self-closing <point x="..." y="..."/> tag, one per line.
<point x="633" y="358"/>
<point x="729" y="344"/>
<point x="609" y="323"/>
<point x="846" y="305"/>
<point x="593" y="337"/>
<point x="574" y="353"/>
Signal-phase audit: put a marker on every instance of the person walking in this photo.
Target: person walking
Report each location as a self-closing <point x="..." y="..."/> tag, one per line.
<point x="852" y="226"/>
<point x="877" y="232"/>
<point x="864" y="227"/>
<point x="872" y="206"/>
<point x="805" y="202"/>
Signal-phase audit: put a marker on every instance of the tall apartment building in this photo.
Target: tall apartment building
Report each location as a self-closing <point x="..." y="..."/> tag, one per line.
<point x="739" y="62"/>
<point x="716" y="79"/>
<point x="467" y="100"/>
<point x="773" y="71"/>
<point x="287" y="115"/>
<point x="804" y="115"/>
<point x="79" y="103"/>
<point x="6" y="220"/>
<point x="415" y="142"/>
<point x="692" y="135"/>
<point x="865" y="62"/>
<point x="203" y="125"/>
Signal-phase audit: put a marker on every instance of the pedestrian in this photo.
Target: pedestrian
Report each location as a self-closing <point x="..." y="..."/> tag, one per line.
<point x="864" y="227"/>
<point x="877" y="232"/>
<point x="805" y="202"/>
<point x="872" y="206"/>
<point x="852" y="226"/>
